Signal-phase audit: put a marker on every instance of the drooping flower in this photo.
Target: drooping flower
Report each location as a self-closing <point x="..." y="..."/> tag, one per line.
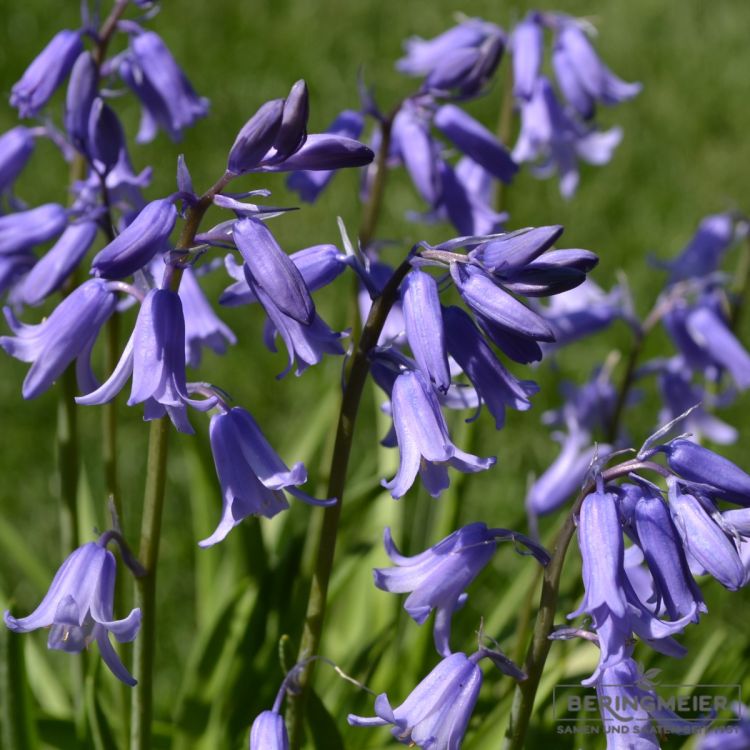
<point x="268" y="732"/>
<point x="67" y="334"/>
<point x="139" y="242"/>
<point x="423" y="440"/>
<point x="437" y="712"/>
<point x="437" y="577"/>
<point x="20" y="231"/>
<point x="78" y="607"/>
<point x="527" y="49"/>
<point x="16" y="147"/>
<point x="168" y="100"/>
<point x="47" y="71"/>
<point x="252" y="476"/>
<point x="82" y="91"/>
<point x="155" y="357"/>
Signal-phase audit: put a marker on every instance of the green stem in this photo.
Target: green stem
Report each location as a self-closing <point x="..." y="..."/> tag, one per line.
<point x="504" y="128"/>
<point x="536" y="656"/>
<point x="316" y="603"/>
<point x="372" y="209"/>
<point x="741" y="286"/>
<point x="153" y="505"/>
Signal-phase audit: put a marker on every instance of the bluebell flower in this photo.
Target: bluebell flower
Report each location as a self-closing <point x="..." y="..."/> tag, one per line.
<point x="82" y="90"/>
<point x="437" y="577"/>
<point x="423" y="440"/>
<point x="527" y="49"/>
<point x="268" y="732"/>
<point x="20" y="231"/>
<point x="202" y="325"/>
<point x="514" y="250"/>
<point x="256" y="137"/>
<point x="581" y="75"/>
<point x="106" y="139"/>
<point x="292" y="132"/>
<point x="47" y="71"/>
<point x="424" y="327"/>
<point x="167" y="98"/>
<point x="495" y="386"/>
<point x="139" y="242"/>
<point x="67" y="334"/>
<point x="271" y="270"/>
<point x="309" y="184"/>
<point x="477" y="184"/>
<point x="16" y="147"/>
<point x="437" y="712"/>
<point x="474" y="140"/>
<point x="155" y="357"/>
<point x="53" y="269"/>
<point x="705" y="542"/>
<point x="78" y="607"/>
<point x="321" y="151"/>
<point x="555" y="142"/>
<point x="701" y="256"/>
<point x="253" y="477"/>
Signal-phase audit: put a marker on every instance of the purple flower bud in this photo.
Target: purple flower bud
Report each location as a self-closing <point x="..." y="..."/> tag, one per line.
<point x="423" y="440"/>
<point x="82" y="90"/>
<point x="202" y="326"/>
<point x="490" y="301"/>
<point x="704" y="540"/>
<point x="475" y="141"/>
<point x="309" y="184"/>
<point x="666" y="560"/>
<point x="423" y="55"/>
<point x="78" y="607"/>
<point x="252" y="476"/>
<point x="324" y="152"/>
<point x="272" y="270"/>
<point x="703" y="253"/>
<point x="16" y="147"/>
<point x="48" y="70"/>
<point x="20" y="231"/>
<point x="269" y="732"/>
<point x="168" y="99"/>
<point x="495" y="385"/>
<point x="51" y="272"/>
<point x="65" y="335"/>
<point x="527" y="46"/>
<point x="139" y="242"/>
<point x="437" y="712"/>
<point x="106" y="140"/>
<point x="543" y="279"/>
<point x="293" y="129"/>
<point x="424" y="327"/>
<point x="515" y="249"/>
<point x="256" y="137"/>
<point x="695" y="463"/>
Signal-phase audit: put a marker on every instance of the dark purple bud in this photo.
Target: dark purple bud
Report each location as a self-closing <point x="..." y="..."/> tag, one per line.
<point x="293" y="129"/>
<point x="695" y="463"/>
<point x="48" y="70"/>
<point x="106" y="139"/>
<point x="704" y="540"/>
<point x="67" y="333"/>
<point x="490" y="55"/>
<point x="20" y="231"/>
<point x="486" y="298"/>
<point x="423" y="440"/>
<point x="495" y="385"/>
<point x="450" y="71"/>
<point x="272" y="270"/>
<point x="424" y="327"/>
<point x="662" y="548"/>
<point x="268" y="732"/>
<point x="542" y="279"/>
<point x="139" y="242"/>
<point x="253" y="477"/>
<point x="82" y="90"/>
<point x="51" y="272"/>
<point x="527" y="46"/>
<point x="168" y="99"/>
<point x="516" y="347"/>
<point x="475" y="141"/>
<point x="16" y="146"/>
<point x="516" y="249"/>
<point x="582" y="260"/>
<point x="310" y="184"/>
<point x="324" y="152"/>
<point x="256" y="137"/>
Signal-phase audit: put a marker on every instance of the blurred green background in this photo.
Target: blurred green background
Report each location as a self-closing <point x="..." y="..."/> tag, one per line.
<point x="685" y="154"/>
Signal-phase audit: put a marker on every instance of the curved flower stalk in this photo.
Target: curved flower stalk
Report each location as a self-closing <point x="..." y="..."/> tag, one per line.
<point x="78" y="608"/>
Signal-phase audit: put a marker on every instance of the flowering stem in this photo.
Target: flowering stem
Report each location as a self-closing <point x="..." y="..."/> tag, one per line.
<point x="536" y="656"/>
<point x="316" y="603"/>
<point x="504" y="127"/>
<point x="371" y="213"/>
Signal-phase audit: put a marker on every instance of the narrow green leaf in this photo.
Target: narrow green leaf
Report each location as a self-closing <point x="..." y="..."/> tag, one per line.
<point x="18" y="729"/>
<point x="323" y="728"/>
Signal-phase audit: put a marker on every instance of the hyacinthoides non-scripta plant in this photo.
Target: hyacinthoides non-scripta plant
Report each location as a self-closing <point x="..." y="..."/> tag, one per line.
<point x="431" y="329"/>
